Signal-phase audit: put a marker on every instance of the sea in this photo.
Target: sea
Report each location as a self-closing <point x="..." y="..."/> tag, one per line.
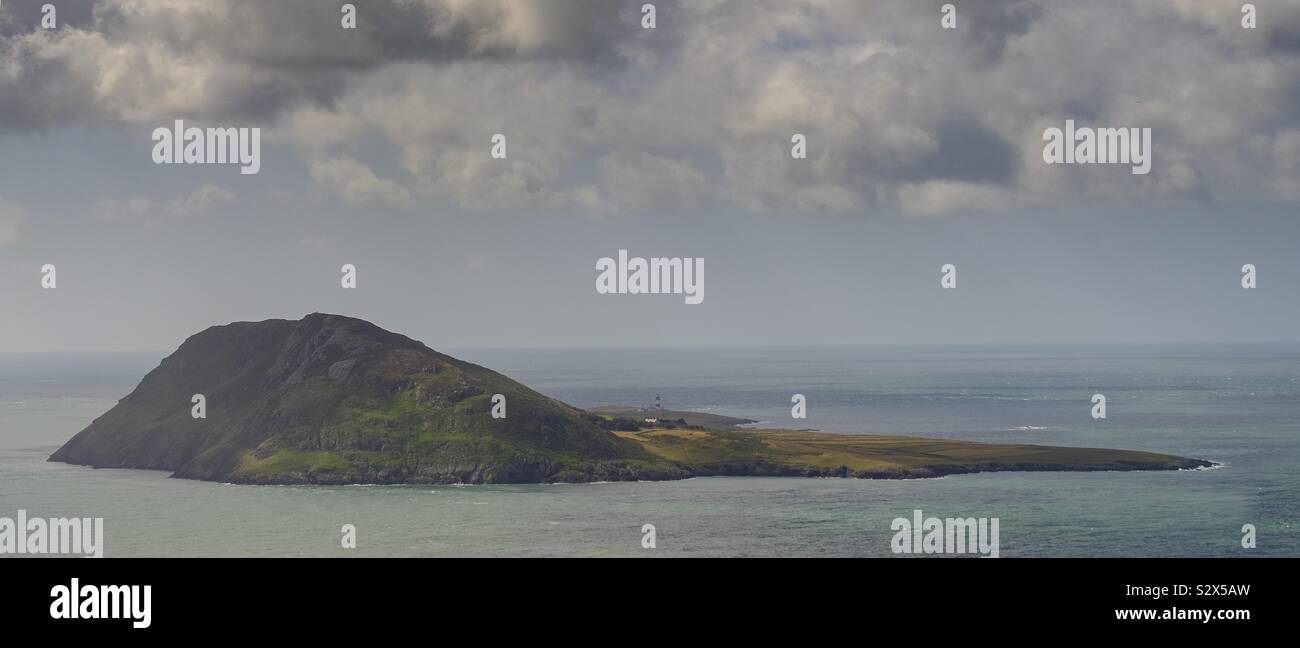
<point x="1235" y="404"/>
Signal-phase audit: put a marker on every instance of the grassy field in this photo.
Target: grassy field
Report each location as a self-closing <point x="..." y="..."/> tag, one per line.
<point x="815" y="453"/>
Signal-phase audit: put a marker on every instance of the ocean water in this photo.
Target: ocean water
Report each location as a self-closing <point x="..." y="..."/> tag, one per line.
<point x="1234" y="404"/>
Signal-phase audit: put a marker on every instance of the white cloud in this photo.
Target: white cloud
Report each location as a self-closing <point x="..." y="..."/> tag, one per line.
<point x="118" y="209"/>
<point x="203" y="200"/>
<point x="206" y="198"/>
<point x="356" y="183"/>
<point x="948" y="197"/>
<point x="637" y="180"/>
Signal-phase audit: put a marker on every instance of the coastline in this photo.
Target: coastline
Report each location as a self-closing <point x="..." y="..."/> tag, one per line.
<point x="688" y="453"/>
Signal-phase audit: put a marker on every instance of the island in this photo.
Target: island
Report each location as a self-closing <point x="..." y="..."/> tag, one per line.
<point x="331" y="399"/>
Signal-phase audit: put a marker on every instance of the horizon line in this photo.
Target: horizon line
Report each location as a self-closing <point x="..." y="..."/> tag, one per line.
<point x="652" y="347"/>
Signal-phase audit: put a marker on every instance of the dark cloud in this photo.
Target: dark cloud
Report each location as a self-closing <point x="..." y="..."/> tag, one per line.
<point x="967" y="152"/>
<point x="1281" y="26"/>
<point x="297" y="34"/>
<point x="260" y="57"/>
<point x="38" y="96"/>
<point x="997" y="21"/>
<point x="990" y="24"/>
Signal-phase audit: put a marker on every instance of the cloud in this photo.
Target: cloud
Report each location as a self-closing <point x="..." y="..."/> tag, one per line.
<point x="900" y="115"/>
<point x="249" y="59"/>
<point x="1283" y="149"/>
<point x="636" y="180"/>
<point x="947" y="197"/>
<point x="356" y="183"/>
<point x="122" y="208"/>
<point x="992" y="23"/>
<point x="206" y="198"/>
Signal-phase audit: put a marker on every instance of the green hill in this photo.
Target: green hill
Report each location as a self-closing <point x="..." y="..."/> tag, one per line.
<point x="332" y="399"/>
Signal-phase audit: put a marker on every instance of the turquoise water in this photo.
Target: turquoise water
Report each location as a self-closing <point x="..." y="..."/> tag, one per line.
<point x="1235" y="404"/>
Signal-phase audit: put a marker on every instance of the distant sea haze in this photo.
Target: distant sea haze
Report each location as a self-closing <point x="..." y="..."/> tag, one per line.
<point x="1234" y="404"/>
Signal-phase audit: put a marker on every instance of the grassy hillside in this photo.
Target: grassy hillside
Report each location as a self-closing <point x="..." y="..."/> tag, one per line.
<point x="785" y="452"/>
<point x="331" y="399"/>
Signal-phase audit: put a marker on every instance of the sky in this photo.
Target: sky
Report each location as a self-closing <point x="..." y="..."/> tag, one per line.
<point x="924" y="148"/>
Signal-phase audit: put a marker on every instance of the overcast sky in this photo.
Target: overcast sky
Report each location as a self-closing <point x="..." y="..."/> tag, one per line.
<point x="924" y="148"/>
